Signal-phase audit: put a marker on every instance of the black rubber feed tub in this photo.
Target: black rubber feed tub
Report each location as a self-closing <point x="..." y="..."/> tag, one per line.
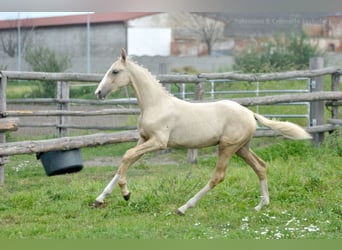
<point x="61" y="161"/>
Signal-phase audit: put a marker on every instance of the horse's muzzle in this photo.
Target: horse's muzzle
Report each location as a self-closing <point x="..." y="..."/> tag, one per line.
<point x="99" y="95"/>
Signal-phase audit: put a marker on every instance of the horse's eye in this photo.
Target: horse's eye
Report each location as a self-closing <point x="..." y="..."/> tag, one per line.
<point x="115" y="72"/>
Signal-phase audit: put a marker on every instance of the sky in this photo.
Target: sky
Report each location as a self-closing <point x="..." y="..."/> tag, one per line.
<point x="25" y="15"/>
<point x="174" y="5"/>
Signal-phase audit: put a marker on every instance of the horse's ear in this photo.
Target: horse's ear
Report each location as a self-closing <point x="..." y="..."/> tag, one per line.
<point x="123" y="55"/>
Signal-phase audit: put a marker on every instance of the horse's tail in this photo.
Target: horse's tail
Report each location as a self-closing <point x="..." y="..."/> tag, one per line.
<point x="287" y="129"/>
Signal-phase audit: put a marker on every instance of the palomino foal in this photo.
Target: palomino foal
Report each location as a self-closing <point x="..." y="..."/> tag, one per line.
<point x="166" y="121"/>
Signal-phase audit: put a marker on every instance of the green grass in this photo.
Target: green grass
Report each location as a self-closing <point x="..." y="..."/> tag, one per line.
<point x="304" y="182"/>
<point x="20" y="89"/>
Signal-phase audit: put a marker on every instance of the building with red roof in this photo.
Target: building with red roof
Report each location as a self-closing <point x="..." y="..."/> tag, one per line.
<point x="99" y="36"/>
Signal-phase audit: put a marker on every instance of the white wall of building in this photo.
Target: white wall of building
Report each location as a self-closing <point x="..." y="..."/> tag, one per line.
<point x="149" y="41"/>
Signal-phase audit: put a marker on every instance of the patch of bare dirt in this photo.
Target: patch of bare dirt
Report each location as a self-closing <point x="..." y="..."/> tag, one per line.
<point x="149" y="159"/>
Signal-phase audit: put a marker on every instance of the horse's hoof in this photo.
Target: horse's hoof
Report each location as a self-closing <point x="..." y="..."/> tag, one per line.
<point x="127" y="196"/>
<point x="178" y="212"/>
<point x="98" y="204"/>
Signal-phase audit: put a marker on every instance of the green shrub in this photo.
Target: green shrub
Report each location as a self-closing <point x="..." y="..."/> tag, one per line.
<point x="3" y="67"/>
<point x="287" y="52"/>
<point x="43" y="59"/>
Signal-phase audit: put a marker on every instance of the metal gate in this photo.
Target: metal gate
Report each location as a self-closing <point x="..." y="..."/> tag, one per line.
<point x="299" y="112"/>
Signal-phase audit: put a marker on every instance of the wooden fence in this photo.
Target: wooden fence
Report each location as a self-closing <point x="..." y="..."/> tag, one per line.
<point x="318" y="98"/>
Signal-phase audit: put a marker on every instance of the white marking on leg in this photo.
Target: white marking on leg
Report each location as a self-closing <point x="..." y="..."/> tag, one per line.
<point x="192" y="202"/>
<point x="265" y="200"/>
<point x="108" y="189"/>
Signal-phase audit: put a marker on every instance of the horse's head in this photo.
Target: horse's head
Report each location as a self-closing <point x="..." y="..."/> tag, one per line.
<point x="115" y="78"/>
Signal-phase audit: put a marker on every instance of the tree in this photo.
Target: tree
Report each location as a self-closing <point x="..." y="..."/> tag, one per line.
<point x="205" y="29"/>
<point x="10" y="39"/>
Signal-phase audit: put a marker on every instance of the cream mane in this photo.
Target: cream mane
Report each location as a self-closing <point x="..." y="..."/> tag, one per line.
<point x="148" y="74"/>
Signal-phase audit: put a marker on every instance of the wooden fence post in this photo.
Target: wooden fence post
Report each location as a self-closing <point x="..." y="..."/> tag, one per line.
<point x="317" y="107"/>
<point x="193" y="153"/>
<point x="163" y="69"/>
<point x="62" y="94"/>
<point x="335" y="86"/>
<point x="3" y="88"/>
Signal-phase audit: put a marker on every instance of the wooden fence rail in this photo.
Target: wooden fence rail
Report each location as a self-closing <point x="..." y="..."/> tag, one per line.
<point x="119" y="101"/>
<point x="175" y="78"/>
<point x="124" y="111"/>
<point x="66" y="143"/>
<point x="333" y="100"/>
<point x="99" y="139"/>
<point x="250" y="101"/>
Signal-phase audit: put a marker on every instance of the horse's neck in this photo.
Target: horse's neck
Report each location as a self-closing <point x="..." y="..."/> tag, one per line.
<point x="148" y="90"/>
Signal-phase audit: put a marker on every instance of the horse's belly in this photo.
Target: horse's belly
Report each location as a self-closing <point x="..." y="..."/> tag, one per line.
<point x="207" y="125"/>
<point x="193" y="138"/>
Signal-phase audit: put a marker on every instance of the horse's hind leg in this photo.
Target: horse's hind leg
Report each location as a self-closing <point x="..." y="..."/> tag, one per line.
<point x="259" y="168"/>
<point x="218" y="176"/>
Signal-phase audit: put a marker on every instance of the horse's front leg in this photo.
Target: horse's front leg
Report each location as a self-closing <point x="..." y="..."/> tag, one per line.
<point x="127" y="160"/>
<point x="131" y="156"/>
<point x="117" y="179"/>
<point x="108" y="189"/>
